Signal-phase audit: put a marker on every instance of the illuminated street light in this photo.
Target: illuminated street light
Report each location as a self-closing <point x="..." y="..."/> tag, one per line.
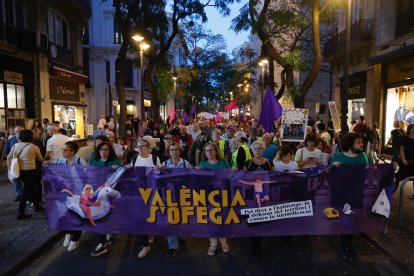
<point x="137" y="38"/>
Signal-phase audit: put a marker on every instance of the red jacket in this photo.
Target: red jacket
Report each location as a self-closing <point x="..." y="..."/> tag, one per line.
<point x="177" y="139"/>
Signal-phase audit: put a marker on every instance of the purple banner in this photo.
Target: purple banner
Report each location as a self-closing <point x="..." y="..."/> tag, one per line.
<point x="219" y="203"/>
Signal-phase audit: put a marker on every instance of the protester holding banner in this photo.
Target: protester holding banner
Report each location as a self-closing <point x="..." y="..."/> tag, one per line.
<point x="352" y="153"/>
<point x="174" y="152"/>
<point x="163" y="153"/>
<point x="309" y="156"/>
<point x="69" y="157"/>
<point x="145" y="159"/>
<point x="212" y="160"/>
<point x="98" y="140"/>
<point x="283" y="161"/>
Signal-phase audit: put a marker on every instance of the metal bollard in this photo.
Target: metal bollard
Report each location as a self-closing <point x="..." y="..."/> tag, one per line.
<point x="402" y="198"/>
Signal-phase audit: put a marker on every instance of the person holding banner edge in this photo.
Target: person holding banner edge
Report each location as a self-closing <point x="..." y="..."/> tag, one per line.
<point x="352" y="153"/>
<point x="174" y="151"/>
<point x="211" y="160"/>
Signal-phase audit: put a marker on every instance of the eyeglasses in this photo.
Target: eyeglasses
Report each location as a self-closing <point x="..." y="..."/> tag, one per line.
<point x="104" y="149"/>
<point x="141" y="146"/>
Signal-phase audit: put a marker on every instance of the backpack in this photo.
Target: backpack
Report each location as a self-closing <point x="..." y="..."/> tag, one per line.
<point x="154" y="160"/>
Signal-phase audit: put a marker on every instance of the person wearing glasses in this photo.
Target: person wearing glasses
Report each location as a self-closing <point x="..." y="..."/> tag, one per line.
<point x="163" y="153"/>
<point x="175" y="161"/>
<point x="258" y="163"/>
<point x="104" y="155"/>
<point x="211" y="159"/>
<point x="145" y="159"/>
<point x="69" y="151"/>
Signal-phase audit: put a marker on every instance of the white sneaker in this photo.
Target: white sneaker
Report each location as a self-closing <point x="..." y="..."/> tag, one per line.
<point x="212" y="251"/>
<point x="66" y="242"/>
<point x="151" y="238"/>
<point x="225" y="247"/>
<point x="144" y="252"/>
<point x="108" y="239"/>
<point x="73" y="245"/>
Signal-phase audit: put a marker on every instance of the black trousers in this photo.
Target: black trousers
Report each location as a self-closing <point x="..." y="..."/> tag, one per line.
<point x="32" y="188"/>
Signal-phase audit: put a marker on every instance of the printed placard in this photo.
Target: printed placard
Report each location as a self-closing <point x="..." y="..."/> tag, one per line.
<point x="294" y="124"/>
<point x="334" y="116"/>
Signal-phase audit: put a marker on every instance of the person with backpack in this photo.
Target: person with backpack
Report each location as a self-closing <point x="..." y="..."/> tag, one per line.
<point x="395" y="140"/>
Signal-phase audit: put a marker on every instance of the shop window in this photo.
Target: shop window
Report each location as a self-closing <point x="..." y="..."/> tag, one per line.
<point x="2" y="103"/>
<point x="2" y="118"/>
<point x="11" y="96"/>
<point x="20" y="96"/>
<point x="57" y="29"/>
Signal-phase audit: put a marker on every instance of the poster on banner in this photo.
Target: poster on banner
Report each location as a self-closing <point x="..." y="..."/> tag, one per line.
<point x="216" y="203"/>
<point x="335" y="116"/>
<point x="294" y="124"/>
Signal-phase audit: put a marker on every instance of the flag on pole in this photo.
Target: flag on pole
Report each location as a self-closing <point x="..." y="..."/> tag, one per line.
<point x="231" y="105"/>
<point x="271" y="110"/>
<point x="194" y="110"/>
<point x="382" y="205"/>
<point x="185" y="118"/>
<point x="217" y="117"/>
<point x="172" y="115"/>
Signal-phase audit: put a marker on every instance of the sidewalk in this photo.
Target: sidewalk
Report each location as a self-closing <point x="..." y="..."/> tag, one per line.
<point x="20" y="241"/>
<point x="23" y="241"/>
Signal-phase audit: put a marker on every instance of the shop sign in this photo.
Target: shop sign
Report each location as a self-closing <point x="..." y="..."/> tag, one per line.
<point x="357" y="85"/>
<point x="13" y="77"/>
<point x="400" y="71"/>
<point x="63" y="90"/>
<point x="68" y="75"/>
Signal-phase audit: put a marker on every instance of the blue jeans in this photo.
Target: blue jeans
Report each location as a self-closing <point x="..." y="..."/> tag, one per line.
<point x="18" y="187"/>
<point x="172" y="242"/>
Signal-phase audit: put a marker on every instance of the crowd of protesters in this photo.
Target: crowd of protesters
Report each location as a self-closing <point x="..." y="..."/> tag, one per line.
<point x="203" y="144"/>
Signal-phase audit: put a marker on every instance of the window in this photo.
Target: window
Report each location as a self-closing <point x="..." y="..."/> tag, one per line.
<point x="2" y="103"/>
<point x="15" y="96"/>
<point x="405" y="24"/>
<point x="117" y="32"/>
<point x="57" y="29"/>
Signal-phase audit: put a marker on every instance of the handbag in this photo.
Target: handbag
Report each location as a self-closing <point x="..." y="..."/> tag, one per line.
<point x="14" y="169"/>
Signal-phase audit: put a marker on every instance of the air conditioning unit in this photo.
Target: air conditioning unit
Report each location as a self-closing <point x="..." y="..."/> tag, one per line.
<point x="42" y="41"/>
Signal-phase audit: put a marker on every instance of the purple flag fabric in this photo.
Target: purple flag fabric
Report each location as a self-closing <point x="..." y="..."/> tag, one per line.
<point x="271" y="110"/>
<point x="185" y="118"/>
<point x="216" y="203"/>
<point x="194" y="110"/>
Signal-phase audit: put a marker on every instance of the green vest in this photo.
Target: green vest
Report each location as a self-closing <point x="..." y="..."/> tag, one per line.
<point x="234" y="156"/>
<point x="221" y="145"/>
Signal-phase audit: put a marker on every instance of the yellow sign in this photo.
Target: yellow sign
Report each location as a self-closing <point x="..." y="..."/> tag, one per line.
<point x="13" y="77"/>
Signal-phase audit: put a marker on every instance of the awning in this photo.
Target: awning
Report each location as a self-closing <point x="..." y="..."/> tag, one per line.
<point x="401" y="52"/>
<point x="69" y="75"/>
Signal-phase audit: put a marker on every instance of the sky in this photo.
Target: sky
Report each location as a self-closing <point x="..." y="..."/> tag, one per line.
<point x="221" y="25"/>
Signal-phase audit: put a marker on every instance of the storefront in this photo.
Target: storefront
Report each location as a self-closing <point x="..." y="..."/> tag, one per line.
<point x="66" y="100"/>
<point x="357" y="96"/>
<point x="17" y="106"/>
<point x="399" y="94"/>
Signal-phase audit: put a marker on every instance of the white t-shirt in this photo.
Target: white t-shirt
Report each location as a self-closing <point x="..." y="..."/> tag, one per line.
<point x="281" y="167"/>
<point x="194" y="134"/>
<point x="303" y="154"/>
<point x="55" y="145"/>
<point x="146" y="162"/>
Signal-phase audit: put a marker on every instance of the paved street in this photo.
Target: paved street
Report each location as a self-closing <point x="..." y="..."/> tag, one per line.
<point x="29" y="248"/>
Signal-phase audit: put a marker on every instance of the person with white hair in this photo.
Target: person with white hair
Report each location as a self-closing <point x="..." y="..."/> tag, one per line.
<point x="55" y="143"/>
<point x="242" y="154"/>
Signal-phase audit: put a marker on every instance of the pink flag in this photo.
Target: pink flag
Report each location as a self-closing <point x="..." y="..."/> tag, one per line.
<point x="172" y="115"/>
<point x="217" y="117"/>
<point x="231" y="105"/>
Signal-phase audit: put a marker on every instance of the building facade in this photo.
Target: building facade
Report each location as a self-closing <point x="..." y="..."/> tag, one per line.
<point x="41" y="63"/>
<point x="381" y="72"/>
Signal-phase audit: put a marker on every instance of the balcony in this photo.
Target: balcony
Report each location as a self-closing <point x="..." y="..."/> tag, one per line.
<point x="361" y="36"/>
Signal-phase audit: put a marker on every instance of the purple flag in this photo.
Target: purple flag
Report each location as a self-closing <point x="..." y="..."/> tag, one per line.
<point x="194" y="110"/>
<point x="271" y="110"/>
<point x="185" y="118"/>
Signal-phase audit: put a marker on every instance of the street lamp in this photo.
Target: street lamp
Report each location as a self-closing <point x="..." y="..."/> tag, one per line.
<point x="262" y="64"/>
<point x="142" y="47"/>
<point x="174" y="77"/>
<point x="345" y="77"/>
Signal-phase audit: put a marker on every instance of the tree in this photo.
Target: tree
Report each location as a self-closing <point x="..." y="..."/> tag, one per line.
<point x="284" y="27"/>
